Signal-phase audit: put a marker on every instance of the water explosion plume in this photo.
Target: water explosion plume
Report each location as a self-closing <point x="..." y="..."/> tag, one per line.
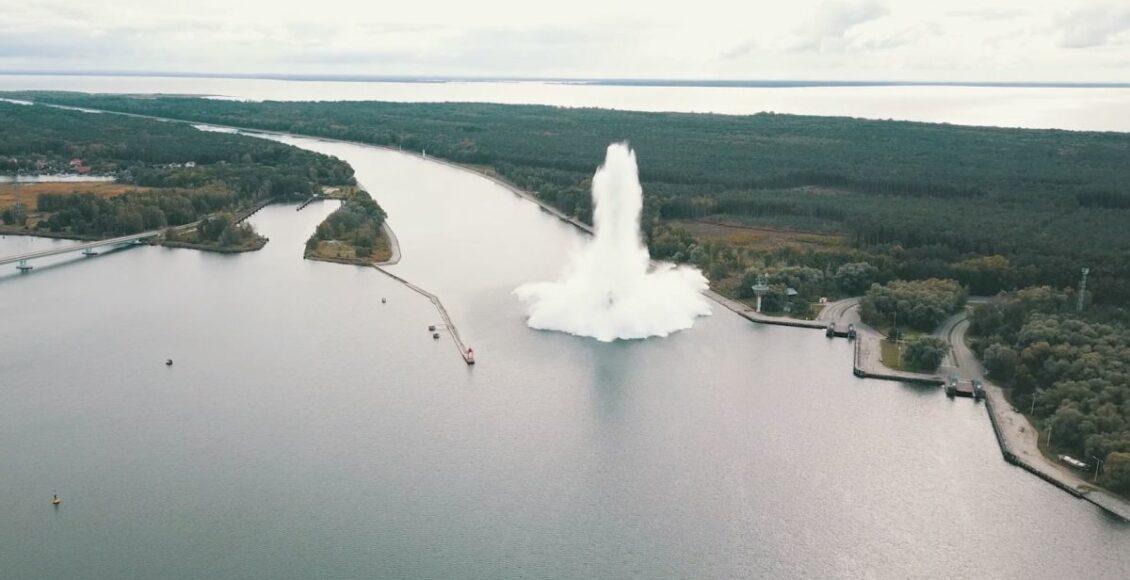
<point x="610" y="290"/>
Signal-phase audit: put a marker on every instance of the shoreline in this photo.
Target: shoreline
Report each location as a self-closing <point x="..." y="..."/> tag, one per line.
<point x="253" y="247"/>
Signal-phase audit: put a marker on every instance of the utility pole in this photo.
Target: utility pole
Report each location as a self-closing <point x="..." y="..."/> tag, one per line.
<point x="1083" y="289"/>
<point x="1098" y="463"/>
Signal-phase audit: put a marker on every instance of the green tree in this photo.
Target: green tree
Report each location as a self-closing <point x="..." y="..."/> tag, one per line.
<point x="925" y="353"/>
<point x="1116" y="472"/>
<point x="1001" y="361"/>
<point x="918" y="304"/>
<point x="15" y="215"/>
<point x="854" y="278"/>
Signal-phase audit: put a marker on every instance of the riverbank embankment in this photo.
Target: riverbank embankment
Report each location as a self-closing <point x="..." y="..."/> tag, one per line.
<point x="1018" y="438"/>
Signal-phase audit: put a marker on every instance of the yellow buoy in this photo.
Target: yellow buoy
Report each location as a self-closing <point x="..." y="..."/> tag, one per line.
<point x="55" y="500"/>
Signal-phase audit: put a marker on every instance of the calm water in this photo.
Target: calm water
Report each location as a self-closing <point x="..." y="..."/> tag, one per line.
<point x="58" y="177"/>
<point x="1098" y="109"/>
<point x="308" y="431"/>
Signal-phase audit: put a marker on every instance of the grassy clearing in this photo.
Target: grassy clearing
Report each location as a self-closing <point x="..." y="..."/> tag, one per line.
<point x="337" y="251"/>
<point x="27" y="193"/>
<point x="891" y="355"/>
<point x="760" y="238"/>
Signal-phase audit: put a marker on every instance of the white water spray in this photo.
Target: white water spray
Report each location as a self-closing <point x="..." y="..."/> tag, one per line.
<point x="609" y="291"/>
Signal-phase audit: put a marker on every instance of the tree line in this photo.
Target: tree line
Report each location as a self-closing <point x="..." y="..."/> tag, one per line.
<point x="933" y="199"/>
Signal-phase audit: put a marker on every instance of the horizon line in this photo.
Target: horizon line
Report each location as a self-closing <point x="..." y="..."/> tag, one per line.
<point x="596" y="81"/>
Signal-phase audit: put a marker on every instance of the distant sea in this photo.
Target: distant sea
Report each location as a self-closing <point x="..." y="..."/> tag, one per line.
<point x="1091" y="107"/>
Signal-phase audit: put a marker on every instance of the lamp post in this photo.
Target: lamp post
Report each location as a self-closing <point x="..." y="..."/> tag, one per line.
<point x="1098" y="464"/>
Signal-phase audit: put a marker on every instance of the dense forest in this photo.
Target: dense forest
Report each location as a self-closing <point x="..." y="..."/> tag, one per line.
<point x="182" y="173"/>
<point x="1069" y="370"/>
<point x="995" y="209"/>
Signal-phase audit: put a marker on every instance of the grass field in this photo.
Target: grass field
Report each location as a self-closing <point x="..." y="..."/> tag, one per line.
<point x="26" y="193"/>
<point x="892" y="355"/>
<point x="760" y="238"/>
<point x="337" y="251"/>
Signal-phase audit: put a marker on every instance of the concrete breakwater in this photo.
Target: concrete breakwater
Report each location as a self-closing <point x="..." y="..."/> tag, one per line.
<point x="1011" y="457"/>
<point x="1075" y="486"/>
<point x="447" y="323"/>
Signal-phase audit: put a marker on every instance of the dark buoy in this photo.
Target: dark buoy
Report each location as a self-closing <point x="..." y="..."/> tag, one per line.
<point x="168" y="362"/>
<point x="432" y="327"/>
<point x="382" y="300"/>
<point x="55" y="500"/>
<point x="435" y="335"/>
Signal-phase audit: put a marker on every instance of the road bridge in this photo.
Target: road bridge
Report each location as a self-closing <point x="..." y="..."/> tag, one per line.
<point x="87" y="248"/>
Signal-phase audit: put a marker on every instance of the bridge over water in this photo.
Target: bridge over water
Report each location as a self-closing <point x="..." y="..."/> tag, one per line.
<point x="87" y="248"/>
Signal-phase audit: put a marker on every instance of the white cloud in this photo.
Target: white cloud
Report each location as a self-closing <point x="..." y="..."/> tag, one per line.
<point x="1094" y="26"/>
<point x="828" y="29"/>
<point x="751" y="39"/>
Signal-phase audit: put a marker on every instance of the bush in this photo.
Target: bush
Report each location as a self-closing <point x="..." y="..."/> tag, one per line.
<point x="925" y="353"/>
<point x="15" y="215"/>
<point x="1116" y="472"/>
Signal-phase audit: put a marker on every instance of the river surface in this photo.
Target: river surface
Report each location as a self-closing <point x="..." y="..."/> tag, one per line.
<point x="1079" y="108"/>
<point x="306" y="430"/>
<point x="57" y="177"/>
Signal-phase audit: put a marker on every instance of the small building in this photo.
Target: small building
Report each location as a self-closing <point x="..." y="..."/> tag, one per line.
<point x="76" y="163"/>
<point x="190" y="164"/>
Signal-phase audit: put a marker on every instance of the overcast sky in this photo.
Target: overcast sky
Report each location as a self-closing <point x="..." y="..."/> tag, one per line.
<point x="938" y="40"/>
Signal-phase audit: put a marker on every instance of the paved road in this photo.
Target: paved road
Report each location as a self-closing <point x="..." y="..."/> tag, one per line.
<point x="842" y="312"/>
